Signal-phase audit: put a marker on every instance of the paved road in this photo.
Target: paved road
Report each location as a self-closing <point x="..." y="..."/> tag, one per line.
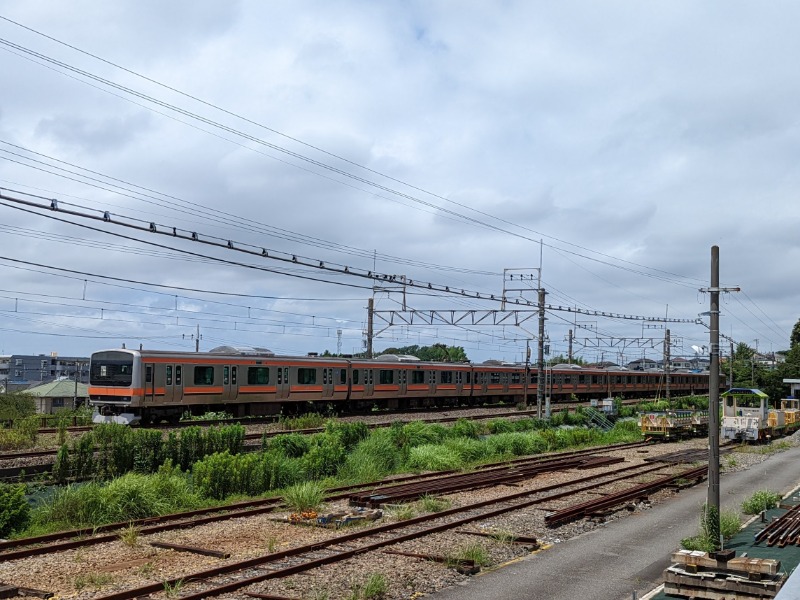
<point x="628" y="555"/>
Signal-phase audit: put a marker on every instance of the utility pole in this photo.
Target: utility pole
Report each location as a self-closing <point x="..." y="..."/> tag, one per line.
<point x="540" y="383"/>
<point x="667" y="359"/>
<point x="370" y="309"/>
<point x="197" y="339"/>
<point x="569" y="358"/>
<point x="712" y="503"/>
<point x="75" y="395"/>
<point x="527" y="372"/>
<point x="730" y="383"/>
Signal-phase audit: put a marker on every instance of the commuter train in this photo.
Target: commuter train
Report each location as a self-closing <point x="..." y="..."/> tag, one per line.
<point x="746" y="416"/>
<point x="144" y="385"/>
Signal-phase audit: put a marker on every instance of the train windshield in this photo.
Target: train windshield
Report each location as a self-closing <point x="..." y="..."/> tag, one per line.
<point x="111" y="369"/>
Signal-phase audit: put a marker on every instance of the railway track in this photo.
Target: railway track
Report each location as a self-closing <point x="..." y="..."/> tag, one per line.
<point x="236" y="575"/>
<point x="426" y="483"/>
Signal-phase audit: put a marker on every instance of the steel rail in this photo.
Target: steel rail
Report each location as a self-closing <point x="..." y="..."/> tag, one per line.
<point x="579" y="510"/>
<point x="31" y="546"/>
<point x="371" y="532"/>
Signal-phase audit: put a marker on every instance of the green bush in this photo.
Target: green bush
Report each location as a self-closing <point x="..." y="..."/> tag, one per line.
<point x="324" y="457"/>
<point x="16" y="405"/>
<point x="433" y="457"/>
<point x="304" y="496"/>
<point x="291" y="445"/>
<point x="350" y="434"/>
<point x="760" y="500"/>
<point x="466" y="429"/>
<point x="14" y="509"/>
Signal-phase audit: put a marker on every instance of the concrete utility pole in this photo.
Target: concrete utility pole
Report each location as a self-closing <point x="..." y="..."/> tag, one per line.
<point x="667" y="359"/>
<point x="712" y="504"/>
<point x="370" y="309"/>
<point x="569" y="358"/>
<point x="540" y="383"/>
<point x="197" y="340"/>
<point x="527" y="372"/>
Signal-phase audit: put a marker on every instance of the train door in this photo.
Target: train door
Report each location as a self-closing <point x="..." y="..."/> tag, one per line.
<point x="327" y="383"/>
<point x="149" y="383"/>
<point x="432" y="383"/>
<point x="169" y="383"/>
<point x="402" y="381"/>
<point x="369" y="383"/>
<point x="177" y="389"/>
<point x="229" y="383"/>
<point x="282" y="382"/>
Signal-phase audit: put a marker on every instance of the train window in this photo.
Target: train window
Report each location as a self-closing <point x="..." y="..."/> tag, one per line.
<point x="417" y="376"/>
<point x="306" y="376"/>
<point x="258" y="375"/>
<point x="343" y="376"/>
<point x="204" y="375"/>
<point x="355" y="376"/>
<point x="148" y="373"/>
<point x="233" y="375"/>
<point x="403" y="377"/>
<point x="729" y="401"/>
<point x="169" y="374"/>
<point x="494" y="377"/>
<point x="286" y="375"/>
<point x="178" y="375"/>
<point x="386" y="376"/>
<point x="324" y="376"/>
<point x="370" y="376"/>
<point x="226" y="370"/>
<point x="516" y="378"/>
<point x="629" y="379"/>
<point x="581" y="379"/>
<point x="446" y="377"/>
<point x="567" y="379"/>
<point x="459" y="374"/>
<point x="431" y="377"/>
<point x="469" y="376"/>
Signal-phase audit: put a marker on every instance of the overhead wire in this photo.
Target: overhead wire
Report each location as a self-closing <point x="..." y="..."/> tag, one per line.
<point x="331" y="168"/>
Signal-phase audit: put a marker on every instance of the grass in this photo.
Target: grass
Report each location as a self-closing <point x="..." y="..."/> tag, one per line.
<point x="433" y="504"/>
<point x="473" y="551"/>
<point x="760" y="500"/>
<point x="96" y="580"/>
<point x="303" y="497"/>
<point x="503" y="536"/>
<point x="306" y="421"/>
<point x="130" y="535"/>
<point x="401" y="512"/>
<point x="172" y="590"/>
<point x="374" y="587"/>
<point x="730" y="523"/>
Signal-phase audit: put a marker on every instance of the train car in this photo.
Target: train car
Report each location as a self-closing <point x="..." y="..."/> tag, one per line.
<point x="674" y="424"/>
<point x="127" y="386"/>
<point x="747" y="417"/>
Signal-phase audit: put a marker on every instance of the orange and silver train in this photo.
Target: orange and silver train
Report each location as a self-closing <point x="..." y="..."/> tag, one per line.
<point x="128" y="386"/>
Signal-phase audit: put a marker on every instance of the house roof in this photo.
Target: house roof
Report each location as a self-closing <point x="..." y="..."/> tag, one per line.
<point x="61" y="388"/>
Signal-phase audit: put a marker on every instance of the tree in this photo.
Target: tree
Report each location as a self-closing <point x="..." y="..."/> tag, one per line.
<point x="435" y="353"/>
<point x="794" y="339"/>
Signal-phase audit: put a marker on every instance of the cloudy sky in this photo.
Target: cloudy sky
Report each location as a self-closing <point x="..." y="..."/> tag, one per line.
<point x="439" y="141"/>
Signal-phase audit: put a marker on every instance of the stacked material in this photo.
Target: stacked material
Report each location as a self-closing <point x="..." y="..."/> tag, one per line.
<point x="719" y="575"/>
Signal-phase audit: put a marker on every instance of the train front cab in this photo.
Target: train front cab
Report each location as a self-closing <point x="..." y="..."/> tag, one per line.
<point x="745" y="415"/>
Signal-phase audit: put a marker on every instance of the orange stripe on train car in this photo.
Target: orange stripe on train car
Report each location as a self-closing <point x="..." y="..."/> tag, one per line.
<point x="257" y="389"/>
<point x="203" y="390"/>
<point x="115" y="391"/>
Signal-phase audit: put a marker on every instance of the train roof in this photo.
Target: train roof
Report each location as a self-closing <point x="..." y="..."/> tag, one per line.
<point x="744" y="392"/>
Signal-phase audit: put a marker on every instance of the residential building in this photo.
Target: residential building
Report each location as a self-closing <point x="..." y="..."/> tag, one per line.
<point x="27" y="370"/>
<point x="62" y="394"/>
